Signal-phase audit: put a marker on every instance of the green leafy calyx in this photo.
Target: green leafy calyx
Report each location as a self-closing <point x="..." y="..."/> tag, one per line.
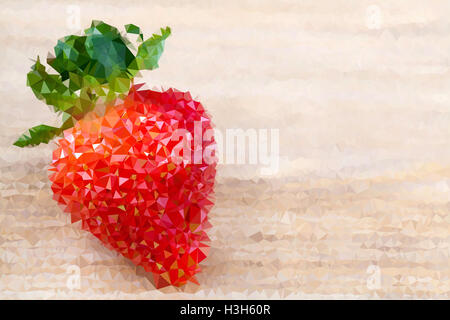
<point x="97" y="65"/>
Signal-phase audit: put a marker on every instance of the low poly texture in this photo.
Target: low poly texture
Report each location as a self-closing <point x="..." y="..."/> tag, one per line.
<point x="116" y="173"/>
<point x="121" y="168"/>
<point x="364" y="152"/>
<point x="96" y="66"/>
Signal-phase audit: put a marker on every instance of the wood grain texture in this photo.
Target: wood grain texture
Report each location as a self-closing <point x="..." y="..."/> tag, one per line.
<point x="364" y="177"/>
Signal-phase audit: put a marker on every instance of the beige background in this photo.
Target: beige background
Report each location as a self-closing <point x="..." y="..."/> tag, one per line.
<point x="362" y="103"/>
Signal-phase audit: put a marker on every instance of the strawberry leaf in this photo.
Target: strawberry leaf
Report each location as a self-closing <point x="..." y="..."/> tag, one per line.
<point x="134" y="29"/>
<point x="151" y="49"/>
<point x="36" y="135"/>
<point x="93" y="66"/>
<point x="50" y="88"/>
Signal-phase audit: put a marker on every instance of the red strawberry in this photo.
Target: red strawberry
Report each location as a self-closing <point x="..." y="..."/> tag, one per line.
<point x="131" y="175"/>
<point x="117" y="174"/>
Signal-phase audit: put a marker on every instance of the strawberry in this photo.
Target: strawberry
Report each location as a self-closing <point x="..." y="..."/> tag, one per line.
<point x="129" y="164"/>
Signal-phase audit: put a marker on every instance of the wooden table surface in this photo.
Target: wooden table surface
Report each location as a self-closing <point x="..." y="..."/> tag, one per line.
<point x="359" y="91"/>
